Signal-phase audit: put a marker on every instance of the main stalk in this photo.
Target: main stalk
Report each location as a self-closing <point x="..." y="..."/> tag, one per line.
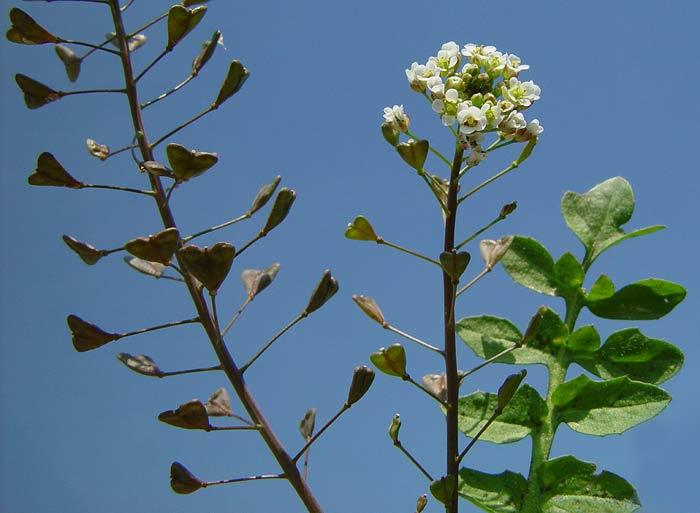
<point x="289" y="468"/>
<point x="450" y="350"/>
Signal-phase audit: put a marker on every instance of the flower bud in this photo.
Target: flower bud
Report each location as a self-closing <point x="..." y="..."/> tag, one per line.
<point x="87" y="336"/>
<point x="307" y="424"/>
<point x="140" y="364"/>
<point x="477" y="99"/>
<point x="508" y="209"/>
<point x="508" y="388"/>
<point x="390" y="360"/>
<point x="492" y="251"/>
<point x="70" y="61"/>
<point x="361" y="229"/>
<point x="436" y="384"/>
<point x="326" y="289"/>
<point x="394" y="428"/>
<point x="182" y="480"/>
<point x="391" y="134"/>
<point x="87" y="253"/>
<point x="362" y="380"/>
<point x="283" y="204"/>
<point x="471" y="69"/>
<point x="421" y="503"/>
<point x="26" y="31"/>
<point x="454" y="82"/>
<point x="370" y="308"/>
<point x="414" y="153"/>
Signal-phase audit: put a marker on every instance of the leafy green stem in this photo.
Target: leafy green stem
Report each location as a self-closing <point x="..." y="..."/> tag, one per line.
<point x="513" y="165"/>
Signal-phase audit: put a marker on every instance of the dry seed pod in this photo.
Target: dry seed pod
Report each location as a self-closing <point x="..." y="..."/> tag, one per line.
<point x="370" y="307"/>
<point x="307" y="424"/>
<point x="50" y="172"/>
<point x="283" y="204"/>
<point x="362" y="380"/>
<point x="492" y="251"/>
<point x="140" y="364"/>
<point x="219" y="404"/>
<point x="264" y="195"/>
<point x="205" y="53"/>
<point x="182" y="480"/>
<point x="96" y="149"/>
<point x="153" y="269"/>
<point x="87" y="253"/>
<point x="26" y="31"/>
<point x="209" y="265"/>
<point x="87" y="336"/>
<point x="235" y="78"/>
<point x="158" y="247"/>
<point x="187" y="163"/>
<point x="190" y="415"/>
<point x="325" y="289"/>
<point x="70" y="61"/>
<point x="436" y="384"/>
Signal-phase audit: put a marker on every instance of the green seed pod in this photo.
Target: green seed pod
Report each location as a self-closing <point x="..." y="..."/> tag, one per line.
<point x="182" y="480"/>
<point x="362" y="379"/>
<point x="414" y="152"/>
<point x="390" y="360"/>
<point x="390" y="134"/>
<point x="283" y="204"/>
<point x="508" y="388"/>
<point x="394" y="428"/>
<point x="325" y="289"/>
<point x="361" y="229"/>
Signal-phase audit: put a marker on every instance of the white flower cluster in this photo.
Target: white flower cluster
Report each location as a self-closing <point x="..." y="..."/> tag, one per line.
<point x="476" y="88"/>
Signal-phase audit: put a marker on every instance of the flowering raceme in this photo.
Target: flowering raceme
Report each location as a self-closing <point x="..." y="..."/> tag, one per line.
<point x="475" y="90"/>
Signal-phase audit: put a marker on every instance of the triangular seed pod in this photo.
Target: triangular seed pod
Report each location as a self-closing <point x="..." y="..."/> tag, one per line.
<point x="361" y="229"/>
<point x="87" y="253"/>
<point x="190" y="415"/>
<point x="394" y="428"/>
<point x="87" y="336"/>
<point x="307" y="424"/>
<point x="325" y="289"/>
<point x="362" y="379"/>
<point x="235" y="78"/>
<point x="508" y="388"/>
<point x="209" y="265"/>
<point x="280" y="209"/>
<point x="158" y="247"/>
<point x="390" y="360"/>
<point x="188" y="163"/>
<point x="153" y="269"/>
<point x="205" y="53"/>
<point x="70" y="60"/>
<point x="414" y="153"/>
<point x="264" y="195"/>
<point x="219" y="404"/>
<point x="36" y="94"/>
<point x="181" y="21"/>
<point x="370" y="307"/>
<point x="96" y="149"/>
<point x="50" y="172"/>
<point x="26" y="31"/>
<point x="182" y="480"/>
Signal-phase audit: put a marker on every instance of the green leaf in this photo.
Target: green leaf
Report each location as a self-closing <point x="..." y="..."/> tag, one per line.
<point x="607" y="407"/>
<point x="529" y="263"/>
<point x="495" y="493"/>
<point x="630" y="353"/>
<point x="571" y="486"/>
<point x="569" y="274"/>
<point x="643" y="300"/>
<point x="584" y="340"/>
<point x="596" y="217"/>
<point x="525" y="412"/>
<point x="487" y="336"/>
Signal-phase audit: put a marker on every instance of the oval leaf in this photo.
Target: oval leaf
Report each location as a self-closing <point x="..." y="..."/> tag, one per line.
<point x="607" y="407"/>
<point x="495" y="493"/>
<point x="643" y="300"/>
<point x="529" y="263"/>
<point x="519" y="418"/>
<point x="596" y="216"/>
<point x="630" y="353"/>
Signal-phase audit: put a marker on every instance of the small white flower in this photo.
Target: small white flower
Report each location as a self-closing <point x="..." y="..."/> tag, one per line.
<point x="534" y="128"/>
<point x="521" y="93"/>
<point x="418" y="74"/>
<point x="447" y="106"/>
<point x="436" y="86"/>
<point x="471" y="119"/>
<point x="477" y="53"/>
<point x="514" y="122"/>
<point x="505" y="106"/>
<point x="513" y="65"/>
<point x="447" y="58"/>
<point x="492" y="113"/>
<point x="397" y="118"/>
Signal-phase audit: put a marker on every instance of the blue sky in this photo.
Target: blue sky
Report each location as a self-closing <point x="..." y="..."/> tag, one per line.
<point x="79" y="432"/>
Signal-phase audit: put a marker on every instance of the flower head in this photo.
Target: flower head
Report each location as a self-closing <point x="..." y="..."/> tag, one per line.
<point x="470" y="118"/>
<point x="397" y="118"/>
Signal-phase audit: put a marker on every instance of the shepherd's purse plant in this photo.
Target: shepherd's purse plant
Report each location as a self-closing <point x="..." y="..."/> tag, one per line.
<point x="170" y="256"/>
<point x="480" y="98"/>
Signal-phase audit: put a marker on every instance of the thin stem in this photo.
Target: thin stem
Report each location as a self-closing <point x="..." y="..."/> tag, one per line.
<point x="413" y="339"/>
<point x="465" y="170"/>
<point x="184" y="125"/>
<point x="476" y="278"/>
<point x="153" y="63"/>
<point x="261" y="477"/>
<point x="127" y="5"/>
<point x="217" y="227"/>
<point x="91" y="91"/>
<point x="232" y="428"/>
<point x="451" y="374"/>
<point x="88" y="45"/>
<point x="413" y="382"/>
<point x="149" y="24"/>
<point x="231" y="322"/>
<point x="160" y="327"/>
<point x="189" y="371"/>
<point x="120" y="150"/>
<point x="408" y="251"/>
<point x="401" y="448"/>
<point x="432" y="150"/>
<point x="251" y="242"/>
<point x="168" y="93"/>
<point x="328" y="424"/>
<point x="117" y="188"/>
<point x="272" y="341"/>
<point x="479" y="232"/>
<point x="289" y="468"/>
<point x="495" y="177"/>
<point x="477" y="436"/>
<point x="488" y="362"/>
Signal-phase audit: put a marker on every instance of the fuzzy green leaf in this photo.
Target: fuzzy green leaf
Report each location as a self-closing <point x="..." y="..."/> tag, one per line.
<point x="495" y="493"/>
<point x="607" y="407"/>
<point x="643" y="300"/>
<point x="571" y="486"/>
<point x="487" y="336"/>
<point x="523" y="413"/>
<point x="569" y="274"/>
<point x="596" y="216"/>
<point x="584" y="340"/>
<point x="529" y="263"/>
<point x="630" y="353"/>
